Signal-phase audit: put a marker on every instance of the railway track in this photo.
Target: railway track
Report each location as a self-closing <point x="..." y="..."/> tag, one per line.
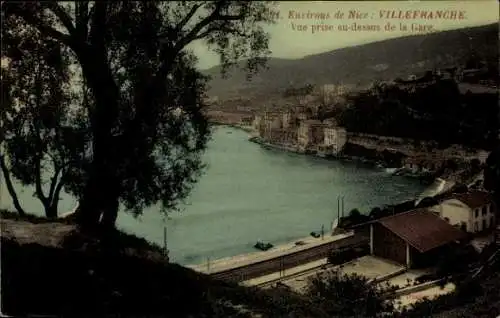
<point x="297" y="275"/>
<point x="288" y="261"/>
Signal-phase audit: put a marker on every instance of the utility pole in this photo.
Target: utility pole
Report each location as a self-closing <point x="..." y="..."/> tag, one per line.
<point x="283" y="265"/>
<point x="208" y="265"/>
<point x="342" y="202"/>
<point x="165" y="246"/>
<point x="322" y="231"/>
<point x="338" y="207"/>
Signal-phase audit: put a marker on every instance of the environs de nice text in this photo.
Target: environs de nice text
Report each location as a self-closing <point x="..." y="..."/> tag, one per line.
<point x="389" y="14"/>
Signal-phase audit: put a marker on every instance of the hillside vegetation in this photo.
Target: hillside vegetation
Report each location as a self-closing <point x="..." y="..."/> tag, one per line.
<point x="363" y="64"/>
<point x="448" y="116"/>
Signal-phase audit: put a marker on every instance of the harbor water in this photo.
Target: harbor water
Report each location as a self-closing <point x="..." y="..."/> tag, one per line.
<point x="248" y="193"/>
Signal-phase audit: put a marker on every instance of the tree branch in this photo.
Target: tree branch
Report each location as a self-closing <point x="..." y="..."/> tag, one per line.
<point x="38" y="184"/>
<point x="98" y="27"/>
<point x="188" y="17"/>
<point x="57" y="191"/>
<point x="53" y="182"/>
<point x="10" y="186"/>
<point x="82" y="15"/>
<point x="212" y="17"/>
<point x="30" y="17"/>
<point x="61" y="15"/>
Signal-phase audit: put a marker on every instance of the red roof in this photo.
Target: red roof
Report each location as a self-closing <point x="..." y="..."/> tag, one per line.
<point x="474" y="199"/>
<point x="422" y="229"/>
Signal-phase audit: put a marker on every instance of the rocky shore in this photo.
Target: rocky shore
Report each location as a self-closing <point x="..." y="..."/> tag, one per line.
<point x="353" y="152"/>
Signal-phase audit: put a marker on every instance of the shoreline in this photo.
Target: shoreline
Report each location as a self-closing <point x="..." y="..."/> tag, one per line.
<point x="378" y="163"/>
<point x="443" y="187"/>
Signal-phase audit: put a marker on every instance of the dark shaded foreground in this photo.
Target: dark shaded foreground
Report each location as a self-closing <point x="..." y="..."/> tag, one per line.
<point x="83" y="277"/>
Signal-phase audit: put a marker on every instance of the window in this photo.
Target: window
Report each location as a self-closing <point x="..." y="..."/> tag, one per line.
<point x="492" y="222"/>
<point x="476" y="213"/>
<point x="476" y="227"/>
<point x="484" y="210"/>
<point x="485" y="224"/>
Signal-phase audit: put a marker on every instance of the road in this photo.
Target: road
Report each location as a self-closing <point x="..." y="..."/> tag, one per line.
<point x="285" y="262"/>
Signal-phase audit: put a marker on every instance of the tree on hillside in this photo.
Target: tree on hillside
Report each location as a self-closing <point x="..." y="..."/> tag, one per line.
<point x="342" y="295"/>
<point x="41" y="136"/>
<point x="6" y="110"/>
<point x="146" y="121"/>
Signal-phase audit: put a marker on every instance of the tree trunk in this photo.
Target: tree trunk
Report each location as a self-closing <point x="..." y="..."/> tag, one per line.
<point x="99" y="187"/>
<point x="10" y="186"/>
<point x="110" y="214"/>
<point x="51" y="212"/>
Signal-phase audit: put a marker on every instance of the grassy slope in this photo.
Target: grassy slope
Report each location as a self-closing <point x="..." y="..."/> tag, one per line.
<point x="52" y="268"/>
<point x="383" y="60"/>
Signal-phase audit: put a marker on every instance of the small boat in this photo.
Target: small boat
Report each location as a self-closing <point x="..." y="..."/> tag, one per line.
<point x="315" y="235"/>
<point x="263" y="246"/>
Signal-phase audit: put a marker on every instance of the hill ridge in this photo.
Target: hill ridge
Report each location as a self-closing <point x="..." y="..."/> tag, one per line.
<point x="364" y="63"/>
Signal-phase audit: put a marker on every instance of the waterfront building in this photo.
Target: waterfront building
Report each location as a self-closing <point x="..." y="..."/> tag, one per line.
<point x="474" y="211"/>
<point x="310" y="133"/>
<point x="415" y="238"/>
<point x="246" y="120"/>
<point x="427" y="162"/>
<point x="273" y="119"/>
<point x="335" y="138"/>
<point x="257" y="122"/>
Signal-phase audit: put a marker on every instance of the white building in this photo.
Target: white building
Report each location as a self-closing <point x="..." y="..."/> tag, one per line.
<point x="335" y="138"/>
<point x="257" y="122"/>
<point x="287" y="120"/>
<point x="473" y="211"/>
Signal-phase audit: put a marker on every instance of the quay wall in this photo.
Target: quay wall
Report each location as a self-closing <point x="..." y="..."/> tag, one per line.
<point x="284" y="262"/>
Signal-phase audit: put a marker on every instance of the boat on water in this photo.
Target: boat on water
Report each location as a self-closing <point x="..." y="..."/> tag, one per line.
<point x="263" y="246"/>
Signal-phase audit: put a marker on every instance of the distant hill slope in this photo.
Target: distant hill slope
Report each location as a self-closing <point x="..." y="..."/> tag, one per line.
<point x="384" y="60"/>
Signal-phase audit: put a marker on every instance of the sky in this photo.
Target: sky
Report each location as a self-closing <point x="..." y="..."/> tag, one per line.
<point x="289" y="43"/>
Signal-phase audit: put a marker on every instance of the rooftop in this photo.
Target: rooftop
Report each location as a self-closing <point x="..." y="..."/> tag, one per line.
<point x="422" y="229"/>
<point x="474" y="199"/>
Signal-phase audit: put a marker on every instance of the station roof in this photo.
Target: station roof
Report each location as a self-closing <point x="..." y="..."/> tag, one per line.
<point x="422" y="229"/>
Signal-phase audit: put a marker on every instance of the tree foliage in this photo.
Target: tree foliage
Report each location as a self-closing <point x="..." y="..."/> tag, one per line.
<point x="42" y="137"/>
<point x="343" y="295"/>
<point x="402" y="110"/>
<point x="145" y="108"/>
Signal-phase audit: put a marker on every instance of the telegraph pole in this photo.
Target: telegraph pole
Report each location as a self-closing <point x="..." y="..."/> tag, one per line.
<point x="165" y="246"/>
<point x="342" y="206"/>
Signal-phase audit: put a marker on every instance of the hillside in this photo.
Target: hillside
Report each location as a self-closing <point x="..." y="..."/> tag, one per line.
<point x="361" y="65"/>
<point x="51" y="268"/>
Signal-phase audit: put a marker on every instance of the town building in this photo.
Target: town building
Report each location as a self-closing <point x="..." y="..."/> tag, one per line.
<point x="246" y="120"/>
<point x="474" y="211"/>
<point x="423" y="163"/>
<point x="287" y="120"/>
<point x="310" y="132"/>
<point x="257" y="122"/>
<point x="335" y="138"/>
<point x="266" y="123"/>
<point x="415" y="238"/>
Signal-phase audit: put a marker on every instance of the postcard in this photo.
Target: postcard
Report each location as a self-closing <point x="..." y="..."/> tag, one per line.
<point x="250" y="158"/>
